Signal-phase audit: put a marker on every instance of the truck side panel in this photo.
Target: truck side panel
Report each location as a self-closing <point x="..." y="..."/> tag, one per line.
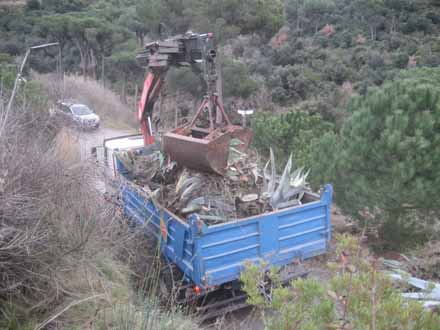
<point x="175" y="237"/>
<point x="277" y="238"/>
<point x="214" y="255"/>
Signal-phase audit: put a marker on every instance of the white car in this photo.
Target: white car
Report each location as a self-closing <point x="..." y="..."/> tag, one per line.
<point x="80" y="114"/>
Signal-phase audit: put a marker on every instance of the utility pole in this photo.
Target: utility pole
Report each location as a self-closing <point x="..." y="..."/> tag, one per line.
<point x="19" y="78"/>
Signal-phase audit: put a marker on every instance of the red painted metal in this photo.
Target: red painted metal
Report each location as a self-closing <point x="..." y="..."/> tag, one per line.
<point x="192" y="146"/>
<point x="153" y="83"/>
<point x="205" y="149"/>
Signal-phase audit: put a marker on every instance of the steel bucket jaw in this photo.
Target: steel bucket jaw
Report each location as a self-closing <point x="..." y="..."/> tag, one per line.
<point x="201" y="150"/>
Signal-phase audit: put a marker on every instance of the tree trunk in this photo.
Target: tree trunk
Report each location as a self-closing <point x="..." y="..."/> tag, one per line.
<point x="123" y="91"/>
<point x="136" y="91"/>
<point x="83" y="63"/>
<point x="93" y="64"/>
<point x="103" y="71"/>
<point x="83" y="55"/>
<point x="142" y="39"/>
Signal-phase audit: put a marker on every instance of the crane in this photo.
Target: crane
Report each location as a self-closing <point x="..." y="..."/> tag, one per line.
<point x="191" y="145"/>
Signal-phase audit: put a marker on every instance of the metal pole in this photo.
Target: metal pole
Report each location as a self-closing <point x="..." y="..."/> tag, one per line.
<point x="136" y="98"/>
<point x="18" y="78"/>
<point x="17" y="82"/>
<point x="219" y="117"/>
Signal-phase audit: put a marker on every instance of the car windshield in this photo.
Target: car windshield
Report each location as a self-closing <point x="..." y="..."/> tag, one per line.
<point x="80" y="110"/>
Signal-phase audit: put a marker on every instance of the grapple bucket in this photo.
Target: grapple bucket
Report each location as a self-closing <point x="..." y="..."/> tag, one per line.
<point x="201" y="149"/>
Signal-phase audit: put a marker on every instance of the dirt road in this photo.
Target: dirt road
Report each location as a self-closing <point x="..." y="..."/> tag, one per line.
<point x="89" y="139"/>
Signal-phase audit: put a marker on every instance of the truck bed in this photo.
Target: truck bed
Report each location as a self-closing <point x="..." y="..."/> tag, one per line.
<point x="216" y="254"/>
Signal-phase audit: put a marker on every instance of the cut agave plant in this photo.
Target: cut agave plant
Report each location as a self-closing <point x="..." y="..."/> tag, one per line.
<point x="270" y="179"/>
<point x="287" y="190"/>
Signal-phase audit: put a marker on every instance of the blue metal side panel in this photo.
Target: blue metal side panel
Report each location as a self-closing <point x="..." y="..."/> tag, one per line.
<point x="215" y="255"/>
<point x="278" y="238"/>
<point x="179" y="244"/>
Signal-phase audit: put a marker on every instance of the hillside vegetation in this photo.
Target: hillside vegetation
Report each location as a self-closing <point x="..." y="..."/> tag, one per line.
<point x="67" y="259"/>
<point x="350" y="88"/>
<point x="305" y="59"/>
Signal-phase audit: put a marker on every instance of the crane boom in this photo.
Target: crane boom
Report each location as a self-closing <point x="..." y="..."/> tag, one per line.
<point x="152" y="84"/>
<point x="195" y="147"/>
<point x="190" y="49"/>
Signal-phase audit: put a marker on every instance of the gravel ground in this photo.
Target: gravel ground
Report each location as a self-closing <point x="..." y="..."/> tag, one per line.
<point x="89" y="139"/>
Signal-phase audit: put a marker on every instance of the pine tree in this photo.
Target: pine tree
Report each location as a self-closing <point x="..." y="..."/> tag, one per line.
<point x="389" y="155"/>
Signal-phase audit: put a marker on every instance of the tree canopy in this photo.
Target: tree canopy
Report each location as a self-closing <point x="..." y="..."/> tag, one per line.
<point x="388" y="154"/>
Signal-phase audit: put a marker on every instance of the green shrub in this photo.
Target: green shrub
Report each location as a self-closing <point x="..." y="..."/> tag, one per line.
<point x="389" y="156"/>
<point x="400" y="60"/>
<point x="184" y="79"/>
<point x="358" y="296"/>
<point x="417" y="23"/>
<point x="292" y="132"/>
<point x="236" y="80"/>
<point x="375" y="60"/>
<point x="304" y="305"/>
<point x="336" y="70"/>
<point x="279" y="95"/>
<point x="7" y="75"/>
<point x="298" y="82"/>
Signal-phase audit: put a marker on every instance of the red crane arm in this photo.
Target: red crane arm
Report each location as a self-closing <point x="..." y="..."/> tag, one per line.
<point x="150" y="93"/>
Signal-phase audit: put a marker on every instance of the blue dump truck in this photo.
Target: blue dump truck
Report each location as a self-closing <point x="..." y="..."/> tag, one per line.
<point x="211" y="257"/>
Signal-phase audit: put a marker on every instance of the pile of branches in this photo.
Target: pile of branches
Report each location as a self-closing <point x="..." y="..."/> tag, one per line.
<point x="247" y="189"/>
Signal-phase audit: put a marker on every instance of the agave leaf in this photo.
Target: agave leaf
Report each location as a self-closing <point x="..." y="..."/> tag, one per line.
<point x="306" y="175"/>
<point x="189" y="182"/>
<point x="199" y="201"/>
<point x="256" y="174"/>
<point x="161" y="159"/>
<point x="295" y="173"/>
<point x="278" y="196"/>
<point x="181" y="180"/>
<point x="266" y="177"/>
<point x="301" y="194"/>
<point x="272" y="180"/>
<point x="191" y="208"/>
<point x="297" y="180"/>
<point x="189" y="190"/>
<point x="285" y="178"/>
<point x="294" y="191"/>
